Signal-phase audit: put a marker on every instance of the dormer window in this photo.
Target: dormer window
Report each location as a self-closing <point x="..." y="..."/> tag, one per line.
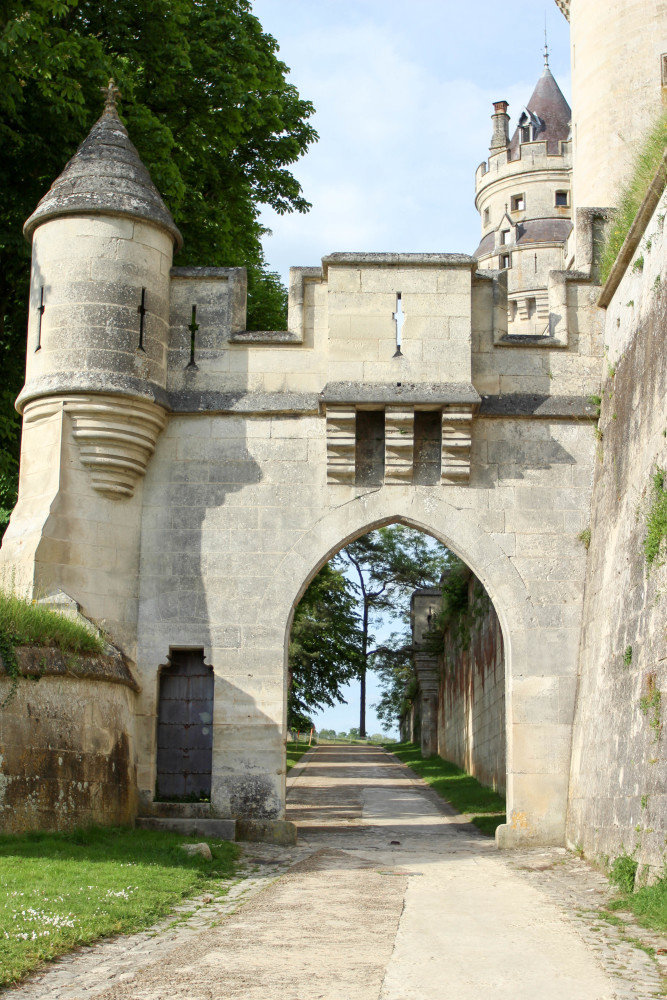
<point x="518" y="203"/>
<point x="504" y="237"/>
<point x="525" y="133"/>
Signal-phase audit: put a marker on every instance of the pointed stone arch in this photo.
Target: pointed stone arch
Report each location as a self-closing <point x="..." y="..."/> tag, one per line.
<point x="538" y="739"/>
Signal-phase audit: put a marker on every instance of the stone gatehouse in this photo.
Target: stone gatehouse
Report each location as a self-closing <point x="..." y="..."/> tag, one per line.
<point x="183" y="479"/>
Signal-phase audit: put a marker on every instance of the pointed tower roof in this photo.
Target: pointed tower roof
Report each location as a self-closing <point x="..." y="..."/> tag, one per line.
<point x="105" y="177"/>
<point x="548" y="105"/>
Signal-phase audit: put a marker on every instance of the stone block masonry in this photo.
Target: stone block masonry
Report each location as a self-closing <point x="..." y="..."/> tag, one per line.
<point x="618" y="799"/>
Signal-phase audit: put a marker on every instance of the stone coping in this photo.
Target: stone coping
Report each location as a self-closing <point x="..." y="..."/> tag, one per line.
<point x="397" y="393"/>
<point x="635" y="233"/>
<point x="47" y="661"/>
<point x="442" y="260"/>
<point x="221" y="273"/>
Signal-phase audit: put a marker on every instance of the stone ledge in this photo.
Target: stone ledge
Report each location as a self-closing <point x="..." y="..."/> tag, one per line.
<point x="265" y="337"/>
<point x="411" y="393"/>
<point x="46" y="661"/>
<point x="525" y="405"/>
<point x="73" y="382"/>
<point x="210" y="401"/>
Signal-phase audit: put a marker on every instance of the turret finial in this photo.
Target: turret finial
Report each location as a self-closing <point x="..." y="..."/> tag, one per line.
<point x="111" y="95"/>
<point x="546" y="44"/>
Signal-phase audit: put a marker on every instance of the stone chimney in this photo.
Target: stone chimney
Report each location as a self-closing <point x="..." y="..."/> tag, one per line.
<point x="501" y="126"/>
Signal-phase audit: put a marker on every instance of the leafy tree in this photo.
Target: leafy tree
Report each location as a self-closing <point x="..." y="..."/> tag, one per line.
<point x="324" y="649"/>
<point x="386" y="566"/>
<point x="206" y="101"/>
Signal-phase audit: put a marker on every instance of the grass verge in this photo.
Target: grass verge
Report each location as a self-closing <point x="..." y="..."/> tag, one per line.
<point x="61" y="890"/>
<point x="295" y="752"/>
<point x="484" y="807"/>
<point x="646" y="166"/>
<point x="648" y="904"/>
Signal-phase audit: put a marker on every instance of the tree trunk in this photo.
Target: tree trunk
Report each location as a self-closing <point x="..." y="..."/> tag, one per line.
<point x="362" y="676"/>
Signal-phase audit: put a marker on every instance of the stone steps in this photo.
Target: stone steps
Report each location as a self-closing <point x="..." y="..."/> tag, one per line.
<point x="177" y="810"/>
<point x="218" y="829"/>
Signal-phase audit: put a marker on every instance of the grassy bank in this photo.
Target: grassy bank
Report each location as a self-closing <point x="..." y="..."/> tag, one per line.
<point x="484" y="807"/>
<point x="26" y="624"/>
<point x="295" y="752"/>
<point x="647" y="161"/>
<point x="61" y="890"/>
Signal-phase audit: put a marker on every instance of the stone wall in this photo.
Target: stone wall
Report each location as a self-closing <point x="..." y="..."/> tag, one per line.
<point x="66" y="743"/>
<point x="471" y="704"/>
<point x="618" y="800"/>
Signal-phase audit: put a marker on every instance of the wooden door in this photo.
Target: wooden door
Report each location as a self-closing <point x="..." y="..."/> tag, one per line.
<point x="185" y="728"/>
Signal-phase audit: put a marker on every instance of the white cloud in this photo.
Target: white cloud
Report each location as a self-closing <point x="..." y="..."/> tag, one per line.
<point x="402" y="128"/>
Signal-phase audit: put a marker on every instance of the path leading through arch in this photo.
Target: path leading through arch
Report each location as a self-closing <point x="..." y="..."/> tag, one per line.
<point x="389" y="895"/>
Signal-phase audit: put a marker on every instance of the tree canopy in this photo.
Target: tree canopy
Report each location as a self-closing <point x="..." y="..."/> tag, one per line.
<point x="386" y="566"/>
<point x="207" y="104"/>
<point x="333" y="639"/>
<point x="325" y="646"/>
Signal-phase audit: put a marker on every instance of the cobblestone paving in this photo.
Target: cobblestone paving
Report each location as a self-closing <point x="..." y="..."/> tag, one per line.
<point x="581" y="893"/>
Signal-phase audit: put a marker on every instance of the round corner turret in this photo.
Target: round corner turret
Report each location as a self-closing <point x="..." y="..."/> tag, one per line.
<point x="102" y="249"/>
<point x="523" y="196"/>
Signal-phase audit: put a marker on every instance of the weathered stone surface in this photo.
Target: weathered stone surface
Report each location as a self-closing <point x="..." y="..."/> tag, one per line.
<point x="40" y="661"/>
<point x="67" y="744"/>
<point x="105" y="176"/>
<point x="266" y="831"/>
<point x="617" y="800"/>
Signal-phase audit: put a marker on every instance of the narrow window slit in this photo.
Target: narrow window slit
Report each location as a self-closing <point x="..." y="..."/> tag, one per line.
<point x="193" y="327"/>
<point x="399" y="317"/>
<point x="141" y="309"/>
<point x="42" y="307"/>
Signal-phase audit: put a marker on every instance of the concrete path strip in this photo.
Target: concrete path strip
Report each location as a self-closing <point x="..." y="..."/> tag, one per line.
<point x="325" y="931"/>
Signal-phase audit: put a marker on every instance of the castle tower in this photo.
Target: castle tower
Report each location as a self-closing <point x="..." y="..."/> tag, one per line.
<point x="94" y="399"/>
<point x="619" y="76"/>
<point x="523" y="197"/>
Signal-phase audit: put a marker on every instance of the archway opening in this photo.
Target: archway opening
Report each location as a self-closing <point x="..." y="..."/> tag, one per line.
<point x="395" y="637"/>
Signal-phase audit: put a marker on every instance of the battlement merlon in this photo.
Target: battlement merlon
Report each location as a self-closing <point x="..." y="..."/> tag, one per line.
<point x="360" y="317"/>
<point x="532" y="156"/>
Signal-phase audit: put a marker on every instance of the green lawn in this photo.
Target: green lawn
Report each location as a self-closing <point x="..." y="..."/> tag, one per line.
<point x="61" y="890"/>
<point x="295" y="752"/>
<point x="484" y="807"/>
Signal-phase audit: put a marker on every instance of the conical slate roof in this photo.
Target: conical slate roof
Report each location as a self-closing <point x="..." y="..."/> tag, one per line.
<point x="105" y="177"/>
<point x="549" y="105"/>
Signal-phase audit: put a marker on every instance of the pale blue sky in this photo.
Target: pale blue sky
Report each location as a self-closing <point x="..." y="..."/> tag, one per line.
<point x="404" y="94"/>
